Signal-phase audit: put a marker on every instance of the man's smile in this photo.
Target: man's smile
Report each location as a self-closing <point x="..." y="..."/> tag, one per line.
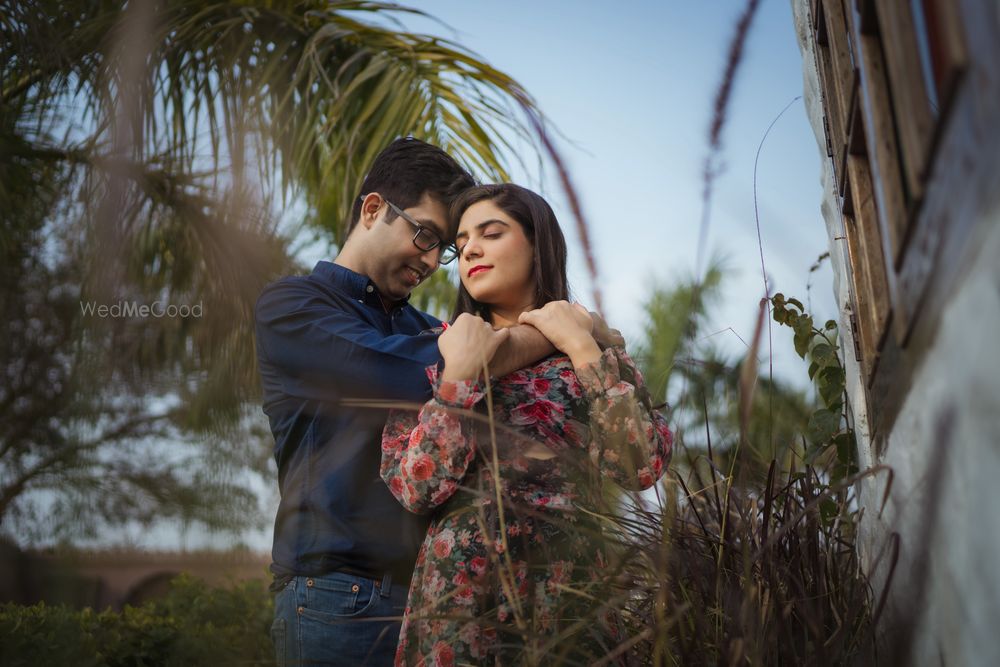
<point x="412" y="276"/>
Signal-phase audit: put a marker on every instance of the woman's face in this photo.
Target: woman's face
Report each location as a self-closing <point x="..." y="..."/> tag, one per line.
<point x="496" y="258"/>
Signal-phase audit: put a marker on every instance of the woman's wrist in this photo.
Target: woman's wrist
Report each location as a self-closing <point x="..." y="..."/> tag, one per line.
<point x="457" y="375"/>
<point x="583" y="352"/>
<point x="456" y="371"/>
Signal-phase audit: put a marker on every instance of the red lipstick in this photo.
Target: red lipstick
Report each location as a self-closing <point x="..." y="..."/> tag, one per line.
<point x="479" y="269"/>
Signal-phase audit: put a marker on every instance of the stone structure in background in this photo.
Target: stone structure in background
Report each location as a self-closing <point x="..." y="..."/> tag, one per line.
<point x="115" y="577"/>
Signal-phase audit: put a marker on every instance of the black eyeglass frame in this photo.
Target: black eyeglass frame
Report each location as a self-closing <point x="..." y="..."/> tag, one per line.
<point x="448" y="250"/>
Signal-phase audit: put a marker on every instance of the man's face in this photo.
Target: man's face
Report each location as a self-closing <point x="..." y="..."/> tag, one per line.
<point x="397" y="265"/>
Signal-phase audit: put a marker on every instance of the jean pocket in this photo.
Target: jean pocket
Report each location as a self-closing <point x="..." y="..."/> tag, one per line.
<point x="278" y="639"/>
<point x="337" y="597"/>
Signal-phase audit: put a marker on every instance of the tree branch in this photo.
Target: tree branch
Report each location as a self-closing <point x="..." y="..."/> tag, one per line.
<point x="125" y="430"/>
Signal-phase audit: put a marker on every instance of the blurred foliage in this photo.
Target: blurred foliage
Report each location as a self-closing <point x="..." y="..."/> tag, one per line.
<point x="683" y="367"/>
<point x="150" y="153"/>
<point x="193" y="624"/>
<point x="746" y="554"/>
<point x="437" y="295"/>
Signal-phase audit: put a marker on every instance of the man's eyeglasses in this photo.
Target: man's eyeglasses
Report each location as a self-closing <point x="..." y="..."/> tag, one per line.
<point x="424" y="238"/>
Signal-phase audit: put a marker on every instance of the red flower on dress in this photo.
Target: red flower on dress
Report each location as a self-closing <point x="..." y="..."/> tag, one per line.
<point x="540" y="386"/>
<point x="536" y="412"/>
<point x="443" y="655"/>
<point x="478" y="566"/>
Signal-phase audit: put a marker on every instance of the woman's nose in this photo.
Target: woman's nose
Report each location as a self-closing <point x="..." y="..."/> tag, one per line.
<point x="471" y="249"/>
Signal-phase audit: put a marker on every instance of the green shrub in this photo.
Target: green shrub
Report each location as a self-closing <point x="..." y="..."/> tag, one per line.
<point x="194" y="624"/>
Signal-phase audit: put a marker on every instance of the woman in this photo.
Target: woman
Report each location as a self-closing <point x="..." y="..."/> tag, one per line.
<point x="507" y="541"/>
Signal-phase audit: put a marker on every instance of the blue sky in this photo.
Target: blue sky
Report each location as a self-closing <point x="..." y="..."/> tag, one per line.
<point x="631" y="88"/>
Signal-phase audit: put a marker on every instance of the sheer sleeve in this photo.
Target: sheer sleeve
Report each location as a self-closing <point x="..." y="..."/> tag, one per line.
<point x="425" y="455"/>
<point x="630" y="441"/>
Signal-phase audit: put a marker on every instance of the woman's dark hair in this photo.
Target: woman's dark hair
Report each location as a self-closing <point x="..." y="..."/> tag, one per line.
<point x="540" y="226"/>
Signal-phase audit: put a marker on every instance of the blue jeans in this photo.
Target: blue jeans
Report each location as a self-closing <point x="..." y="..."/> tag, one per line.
<point x="338" y="619"/>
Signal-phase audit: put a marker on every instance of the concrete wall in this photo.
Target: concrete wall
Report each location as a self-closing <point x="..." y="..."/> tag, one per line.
<point x="943" y="605"/>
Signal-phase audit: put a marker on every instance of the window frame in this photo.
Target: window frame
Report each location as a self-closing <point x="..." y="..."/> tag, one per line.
<point x="897" y="174"/>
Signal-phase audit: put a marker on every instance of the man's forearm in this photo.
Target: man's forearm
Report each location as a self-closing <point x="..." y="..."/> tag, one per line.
<point x="524" y="346"/>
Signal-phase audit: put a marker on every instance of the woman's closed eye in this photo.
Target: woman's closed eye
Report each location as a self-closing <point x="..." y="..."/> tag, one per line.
<point x="489" y="235"/>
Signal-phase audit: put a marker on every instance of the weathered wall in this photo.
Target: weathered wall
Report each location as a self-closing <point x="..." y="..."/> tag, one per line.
<point x="943" y="449"/>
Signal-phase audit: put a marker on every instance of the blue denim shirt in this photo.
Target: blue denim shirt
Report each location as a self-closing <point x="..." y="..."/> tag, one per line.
<point x="326" y="350"/>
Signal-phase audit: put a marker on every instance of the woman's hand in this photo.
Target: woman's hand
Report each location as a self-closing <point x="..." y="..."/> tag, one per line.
<point x="568" y="326"/>
<point x="467" y="345"/>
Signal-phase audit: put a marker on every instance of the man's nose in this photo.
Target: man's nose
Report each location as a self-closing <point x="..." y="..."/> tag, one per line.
<point x="429" y="258"/>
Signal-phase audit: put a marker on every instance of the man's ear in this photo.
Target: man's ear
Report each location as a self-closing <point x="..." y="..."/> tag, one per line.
<point x="370" y="209"/>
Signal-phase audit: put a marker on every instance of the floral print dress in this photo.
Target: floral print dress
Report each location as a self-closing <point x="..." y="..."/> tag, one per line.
<point x="524" y="461"/>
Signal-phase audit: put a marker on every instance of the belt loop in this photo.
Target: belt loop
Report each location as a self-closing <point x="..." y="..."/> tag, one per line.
<point x="386" y="588"/>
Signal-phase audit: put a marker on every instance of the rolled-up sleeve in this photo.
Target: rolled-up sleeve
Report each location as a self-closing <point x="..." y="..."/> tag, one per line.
<point x="318" y="348"/>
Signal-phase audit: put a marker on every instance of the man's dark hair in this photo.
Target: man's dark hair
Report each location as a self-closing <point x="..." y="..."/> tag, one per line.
<point x="540" y="226"/>
<point x="407" y="169"/>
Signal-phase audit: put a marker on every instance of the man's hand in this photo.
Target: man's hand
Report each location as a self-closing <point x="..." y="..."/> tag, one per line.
<point x="568" y="326"/>
<point x="468" y="345"/>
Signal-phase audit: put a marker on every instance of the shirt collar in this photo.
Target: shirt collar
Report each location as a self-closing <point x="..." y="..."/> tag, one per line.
<point x="358" y="286"/>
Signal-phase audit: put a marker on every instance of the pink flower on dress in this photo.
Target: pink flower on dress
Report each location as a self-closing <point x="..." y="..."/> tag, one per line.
<point x="470" y="636"/>
<point x="444" y="543"/>
<point x="560" y="570"/>
<point x="410" y="495"/>
<point x="445" y="490"/>
<point x="422" y="467"/>
<point x="657" y="466"/>
<point x="435" y="583"/>
<point x="572" y="382"/>
<point x="448" y="391"/>
<point x="465" y="596"/>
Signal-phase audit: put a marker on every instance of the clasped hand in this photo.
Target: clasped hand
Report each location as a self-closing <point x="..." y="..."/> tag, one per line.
<point x="468" y="345"/>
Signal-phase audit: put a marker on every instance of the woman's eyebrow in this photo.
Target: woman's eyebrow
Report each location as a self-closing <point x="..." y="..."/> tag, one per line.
<point x="480" y="226"/>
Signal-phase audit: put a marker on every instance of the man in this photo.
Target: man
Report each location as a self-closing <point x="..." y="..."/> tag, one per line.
<point x="330" y="346"/>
